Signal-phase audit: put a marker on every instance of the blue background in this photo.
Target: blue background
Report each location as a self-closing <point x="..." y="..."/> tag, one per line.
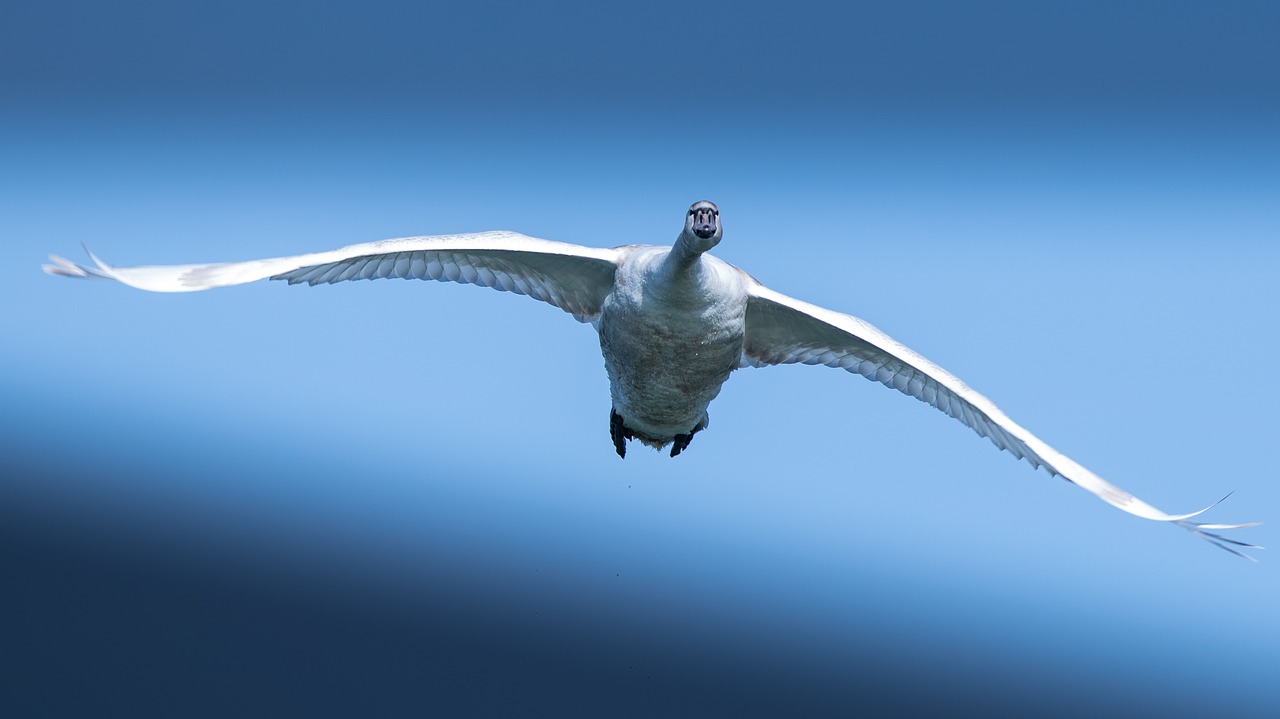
<point x="398" y="497"/>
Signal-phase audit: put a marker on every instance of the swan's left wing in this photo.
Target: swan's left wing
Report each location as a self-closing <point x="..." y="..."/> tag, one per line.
<point x="784" y="330"/>
<point x="572" y="277"/>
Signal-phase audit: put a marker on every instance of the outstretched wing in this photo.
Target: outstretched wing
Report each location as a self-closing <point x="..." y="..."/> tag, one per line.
<point x="784" y="330"/>
<point x="572" y="277"/>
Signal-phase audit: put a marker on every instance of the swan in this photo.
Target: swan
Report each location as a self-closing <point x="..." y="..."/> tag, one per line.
<point x="674" y="323"/>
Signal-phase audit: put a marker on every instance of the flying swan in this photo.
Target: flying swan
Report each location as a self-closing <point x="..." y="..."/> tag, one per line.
<point x="674" y="322"/>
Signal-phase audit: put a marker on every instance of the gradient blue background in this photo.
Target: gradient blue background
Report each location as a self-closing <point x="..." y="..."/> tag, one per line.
<point x="399" y="497"/>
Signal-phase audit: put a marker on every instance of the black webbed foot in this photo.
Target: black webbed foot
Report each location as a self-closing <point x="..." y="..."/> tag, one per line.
<point x="680" y="443"/>
<point x="618" y="433"/>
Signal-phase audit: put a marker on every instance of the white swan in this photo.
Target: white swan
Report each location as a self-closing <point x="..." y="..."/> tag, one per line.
<point x="674" y="322"/>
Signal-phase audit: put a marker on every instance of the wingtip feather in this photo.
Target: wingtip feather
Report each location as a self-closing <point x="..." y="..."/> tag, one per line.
<point x="62" y="267"/>
<point x="1201" y="530"/>
<point x="101" y="265"/>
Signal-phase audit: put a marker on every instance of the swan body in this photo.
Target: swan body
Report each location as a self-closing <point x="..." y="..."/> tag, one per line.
<point x="670" y="332"/>
<point x="674" y="323"/>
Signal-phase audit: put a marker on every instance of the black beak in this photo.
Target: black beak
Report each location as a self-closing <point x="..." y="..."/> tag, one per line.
<point x="704" y="223"/>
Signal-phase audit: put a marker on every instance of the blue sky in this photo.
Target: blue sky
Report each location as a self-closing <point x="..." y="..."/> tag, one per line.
<point x="1074" y="207"/>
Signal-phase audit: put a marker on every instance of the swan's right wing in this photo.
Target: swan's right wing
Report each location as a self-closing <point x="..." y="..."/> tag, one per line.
<point x="572" y="277"/>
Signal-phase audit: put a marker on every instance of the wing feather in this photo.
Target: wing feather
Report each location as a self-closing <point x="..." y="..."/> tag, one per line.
<point x="784" y="330"/>
<point x="572" y="277"/>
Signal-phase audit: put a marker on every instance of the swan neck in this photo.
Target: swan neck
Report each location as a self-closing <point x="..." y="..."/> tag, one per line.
<point x="686" y="251"/>
<point x="683" y="256"/>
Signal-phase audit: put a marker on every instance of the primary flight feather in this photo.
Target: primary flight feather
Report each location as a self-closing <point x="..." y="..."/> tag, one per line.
<point x="674" y="322"/>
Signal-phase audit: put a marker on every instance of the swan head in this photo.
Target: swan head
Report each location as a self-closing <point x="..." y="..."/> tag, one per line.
<point x="702" y="229"/>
